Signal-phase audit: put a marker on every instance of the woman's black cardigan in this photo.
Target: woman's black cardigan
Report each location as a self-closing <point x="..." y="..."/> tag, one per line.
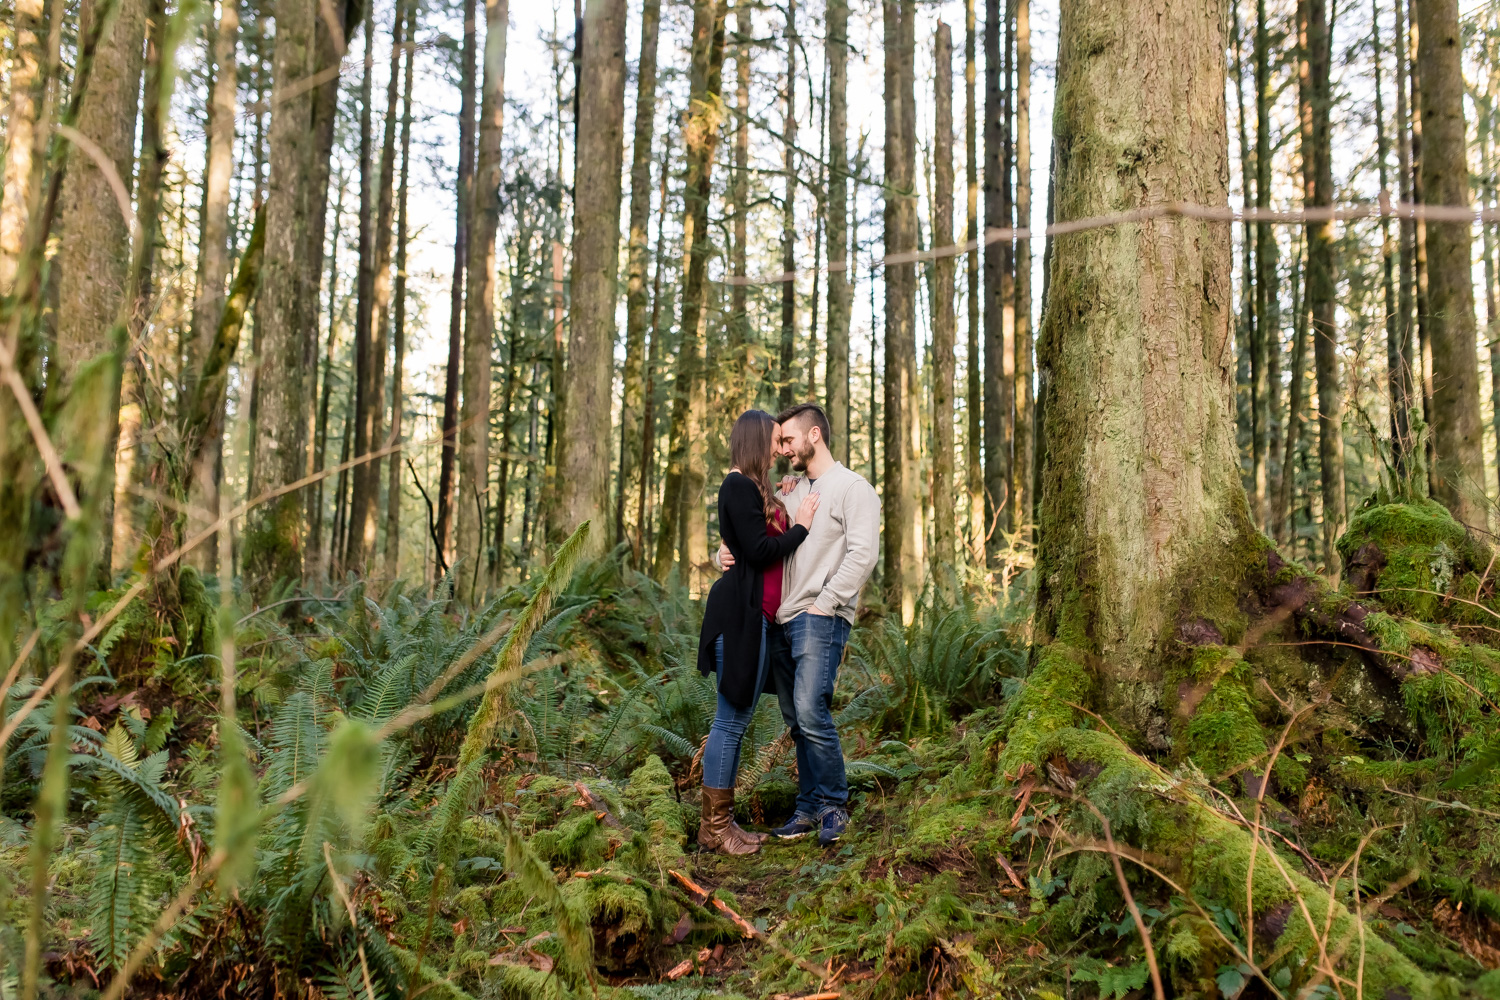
<point x="733" y="609"/>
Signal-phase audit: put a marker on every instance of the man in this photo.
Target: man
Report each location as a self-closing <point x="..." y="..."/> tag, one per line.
<point x="820" y="596"/>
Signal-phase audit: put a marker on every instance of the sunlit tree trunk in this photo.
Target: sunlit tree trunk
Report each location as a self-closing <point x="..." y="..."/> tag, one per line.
<point x="682" y="510"/>
<point x="92" y="265"/>
<point x="273" y="537"/>
<point x="454" y="371"/>
<point x="25" y="145"/>
<point x="902" y="537"/>
<point x="1267" y="293"/>
<point x="836" y="370"/>
<point x="944" y="529"/>
<point x="398" y="400"/>
<point x="584" y="461"/>
<point x="214" y="244"/>
<point x="479" y="314"/>
<point x="1141" y="490"/>
<point x="1457" y="431"/>
<point x="638" y="261"/>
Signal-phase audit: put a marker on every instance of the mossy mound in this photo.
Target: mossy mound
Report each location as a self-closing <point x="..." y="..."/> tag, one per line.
<point x="1407" y="555"/>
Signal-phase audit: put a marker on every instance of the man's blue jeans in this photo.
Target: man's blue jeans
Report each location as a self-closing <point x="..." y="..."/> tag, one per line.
<point x="805" y="657"/>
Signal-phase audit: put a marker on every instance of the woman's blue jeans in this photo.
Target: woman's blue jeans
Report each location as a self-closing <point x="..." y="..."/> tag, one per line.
<point x="721" y="756"/>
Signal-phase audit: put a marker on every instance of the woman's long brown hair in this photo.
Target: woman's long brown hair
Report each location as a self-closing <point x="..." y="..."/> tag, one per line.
<point x="750" y="452"/>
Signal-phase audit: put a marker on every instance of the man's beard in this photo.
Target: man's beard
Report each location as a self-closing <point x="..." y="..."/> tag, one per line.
<point x="801" y="458"/>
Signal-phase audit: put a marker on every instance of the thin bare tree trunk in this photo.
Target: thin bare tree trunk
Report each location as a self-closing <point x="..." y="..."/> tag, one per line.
<point x="479" y="313"/>
<point x="901" y="506"/>
<point x="786" y="372"/>
<point x="1024" y="489"/>
<point x="1397" y="374"/>
<point x="638" y="261"/>
<point x="1457" y="431"/>
<point x="583" y="464"/>
<point x="836" y="368"/>
<point x="743" y="356"/>
<point x="653" y="365"/>
<point x="974" y="459"/>
<point x="944" y="529"/>
<point x="1317" y="178"/>
<point x="1267" y="295"/>
<point x="1422" y="354"/>
<point x="1404" y="395"/>
<point x="998" y="292"/>
<point x="682" y="500"/>
<point x="326" y="555"/>
<point x="454" y="371"/>
<point x="398" y="400"/>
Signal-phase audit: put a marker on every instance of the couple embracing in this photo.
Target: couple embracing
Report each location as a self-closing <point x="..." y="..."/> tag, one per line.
<point x="795" y="559"/>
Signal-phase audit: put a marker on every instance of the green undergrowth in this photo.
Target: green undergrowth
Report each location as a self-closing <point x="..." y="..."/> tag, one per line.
<point x="977" y="863"/>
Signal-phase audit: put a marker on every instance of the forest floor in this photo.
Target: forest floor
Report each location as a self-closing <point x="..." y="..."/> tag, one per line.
<point x="1005" y="841"/>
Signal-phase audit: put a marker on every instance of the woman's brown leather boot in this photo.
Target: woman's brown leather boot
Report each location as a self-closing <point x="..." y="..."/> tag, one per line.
<point x="717" y="831"/>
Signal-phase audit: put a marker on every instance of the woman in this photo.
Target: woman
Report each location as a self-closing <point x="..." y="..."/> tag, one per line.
<point x="735" y="618"/>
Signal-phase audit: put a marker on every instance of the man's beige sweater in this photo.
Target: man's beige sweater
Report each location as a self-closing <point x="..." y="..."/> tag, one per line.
<point x="830" y="567"/>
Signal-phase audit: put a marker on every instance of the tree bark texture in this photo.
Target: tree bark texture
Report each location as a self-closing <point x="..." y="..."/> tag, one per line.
<point x="901" y="505"/>
<point x="1022" y="487"/>
<point x="273" y="536"/>
<point x="836" y="366"/>
<point x="786" y="371"/>
<point x="974" y="458"/>
<point x="1141" y="490"/>
<point x="944" y="527"/>
<point x="25" y="144"/>
<point x="683" y="512"/>
<point x="1457" y="430"/>
<point x="584" y="465"/>
<point x="398" y="401"/>
<point x="998" y="382"/>
<point x="638" y="262"/>
<point x="479" y="314"/>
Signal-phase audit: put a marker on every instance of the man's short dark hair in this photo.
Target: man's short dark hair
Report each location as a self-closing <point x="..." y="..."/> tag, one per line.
<point x="815" y="418"/>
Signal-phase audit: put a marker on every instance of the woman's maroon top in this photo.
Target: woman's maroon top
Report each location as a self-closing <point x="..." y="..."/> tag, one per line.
<point x="770" y="600"/>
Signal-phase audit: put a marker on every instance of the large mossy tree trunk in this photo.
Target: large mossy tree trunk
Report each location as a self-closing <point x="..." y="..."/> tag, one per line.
<point x="1141" y="494"/>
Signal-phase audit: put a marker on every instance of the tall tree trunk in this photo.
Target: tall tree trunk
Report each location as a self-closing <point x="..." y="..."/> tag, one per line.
<point x="1142" y="489"/>
<point x="273" y="537"/>
<point x="974" y="458"/>
<point x="836" y="369"/>
<point x="92" y="265"/>
<point x="901" y="505"/>
<point x="353" y="556"/>
<point x="1422" y="354"/>
<point x="1397" y="374"/>
<point x="1021" y="475"/>
<point x="1404" y="392"/>
<point x="638" y="260"/>
<point x="1267" y="294"/>
<point x="324" y="568"/>
<point x="1457" y="431"/>
<point x="786" y="372"/>
<point x="375" y="265"/>
<point x="744" y="358"/>
<point x="998" y="292"/>
<point x="1487" y="229"/>
<point x="1283" y="506"/>
<point x="1251" y="321"/>
<point x="642" y="540"/>
<point x="25" y="142"/>
<point x="682" y="509"/>
<point x="454" y="371"/>
<point x="214" y="256"/>
<point x="479" y="313"/>
<point x="398" y="400"/>
<point x="1315" y="55"/>
<point x="584" y="465"/>
<point x="944" y="528"/>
